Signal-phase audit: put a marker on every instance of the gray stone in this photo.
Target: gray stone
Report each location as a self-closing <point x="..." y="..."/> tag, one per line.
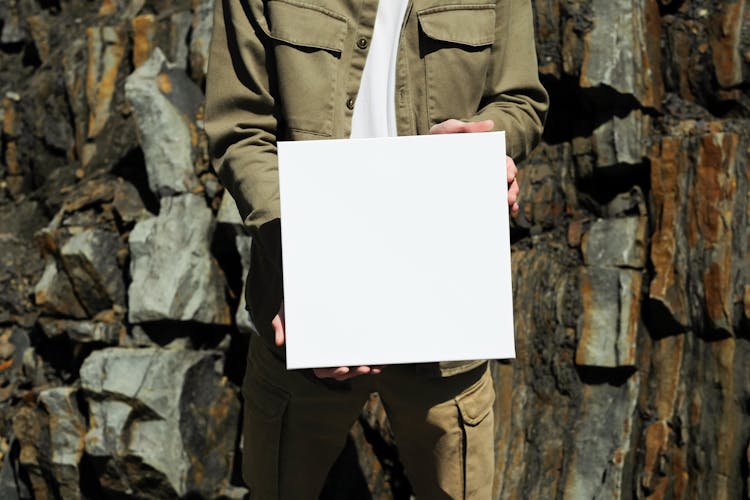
<point x="12" y="487"/>
<point x="180" y="24"/>
<point x="617" y="51"/>
<point x="201" y="38"/>
<point x="54" y="293"/>
<point x="83" y="331"/>
<point x="611" y="310"/>
<point x="597" y="469"/>
<point x="228" y="212"/>
<point x="242" y="317"/>
<point x="174" y="275"/>
<point x="90" y="260"/>
<point x="163" y="128"/>
<point x="617" y="242"/>
<point x="12" y="29"/>
<point x="127" y="202"/>
<point x="51" y="438"/>
<point x="163" y="422"/>
<point x="622" y="140"/>
<point x="67" y="429"/>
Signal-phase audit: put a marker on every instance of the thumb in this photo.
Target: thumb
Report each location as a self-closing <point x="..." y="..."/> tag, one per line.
<point x="278" y="329"/>
<point x="454" y="126"/>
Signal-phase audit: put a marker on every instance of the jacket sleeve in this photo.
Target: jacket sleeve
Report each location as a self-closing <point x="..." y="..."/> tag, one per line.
<point x="514" y="98"/>
<point x="241" y="121"/>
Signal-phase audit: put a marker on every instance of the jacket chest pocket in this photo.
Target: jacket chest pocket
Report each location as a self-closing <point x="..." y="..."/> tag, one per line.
<point x="455" y="43"/>
<point x="308" y="41"/>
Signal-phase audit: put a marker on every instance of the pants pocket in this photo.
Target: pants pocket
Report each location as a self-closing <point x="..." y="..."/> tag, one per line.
<point x="265" y="408"/>
<point x="478" y="429"/>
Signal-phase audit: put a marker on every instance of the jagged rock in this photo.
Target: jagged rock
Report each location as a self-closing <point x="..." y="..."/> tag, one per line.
<point x="725" y="43"/>
<point x="93" y="69"/>
<point x="604" y="428"/>
<point x="84" y="331"/>
<point x="89" y="259"/>
<point x="201" y="38"/>
<point x="124" y="9"/>
<point x="616" y="242"/>
<point x="54" y="293"/>
<point x="547" y="191"/>
<point x="174" y="275"/>
<point x="696" y="179"/>
<point x="39" y="28"/>
<point x="162" y="102"/>
<point x="162" y="422"/>
<point x="127" y="202"/>
<point x="144" y="31"/>
<point x="11" y="369"/>
<point x="242" y="317"/>
<point x="622" y="50"/>
<point x="20" y="268"/>
<point x="11" y="15"/>
<point x="106" y="51"/>
<point x="12" y="485"/>
<point x="229" y="215"/>
<point x="66" y="429"/>
<point x="228" y="212"/>
<point x="622" y="140"/>
<point x="51" y="438"/>
<point x="611" y="310"/>
<point x="180" y="26"/>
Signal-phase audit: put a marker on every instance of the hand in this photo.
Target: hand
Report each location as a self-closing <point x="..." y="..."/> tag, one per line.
<point x="454" y="126"/>
<point x="340" y="373"/>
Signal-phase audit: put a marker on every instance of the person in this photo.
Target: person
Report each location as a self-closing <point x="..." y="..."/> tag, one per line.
<point x="321" y="69"/>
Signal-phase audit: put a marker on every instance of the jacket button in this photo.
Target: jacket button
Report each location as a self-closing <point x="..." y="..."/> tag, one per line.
<point x="350" y="103"/>
<point x="362" y="43"/>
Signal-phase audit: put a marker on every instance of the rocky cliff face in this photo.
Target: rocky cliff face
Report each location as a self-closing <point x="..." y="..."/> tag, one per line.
<point x="122" y="332"/>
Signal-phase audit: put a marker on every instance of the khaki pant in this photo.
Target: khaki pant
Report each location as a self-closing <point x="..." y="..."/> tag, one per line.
<point x="295" y="426"/>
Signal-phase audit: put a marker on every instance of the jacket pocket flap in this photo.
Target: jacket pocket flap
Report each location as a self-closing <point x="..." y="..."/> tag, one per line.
<point x="477" y="402"/>
<point x="306" y="25"/>
<point x="472" y="25"/>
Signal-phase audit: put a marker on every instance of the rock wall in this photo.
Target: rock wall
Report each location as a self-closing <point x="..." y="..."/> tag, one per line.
<point x="122" y="330"/>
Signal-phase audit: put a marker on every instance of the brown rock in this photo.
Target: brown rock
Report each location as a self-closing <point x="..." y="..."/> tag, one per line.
<point x="725" y="42"/>
<point x="144" y="31"/>
<point x="40" y="33"/>
<point x="694" y="178"/>
<point x="106" y="47"/>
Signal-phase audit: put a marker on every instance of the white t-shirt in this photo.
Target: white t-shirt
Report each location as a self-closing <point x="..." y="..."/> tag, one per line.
<point x="375" y="107"/>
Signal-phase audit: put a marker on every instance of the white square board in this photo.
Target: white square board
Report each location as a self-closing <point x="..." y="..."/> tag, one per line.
<point x="395" y="250"/>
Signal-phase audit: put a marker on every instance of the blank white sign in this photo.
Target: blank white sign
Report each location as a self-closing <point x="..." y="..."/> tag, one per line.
<point x="396" y="250"/>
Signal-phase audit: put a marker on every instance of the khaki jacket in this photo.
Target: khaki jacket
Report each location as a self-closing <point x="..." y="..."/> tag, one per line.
<point x="291" y="69"/>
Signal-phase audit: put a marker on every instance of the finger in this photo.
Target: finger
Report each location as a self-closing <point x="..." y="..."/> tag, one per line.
<point x="483" y="126"/>
<point x="511" y="169"/>
<point x="451" y="126"/>
<point x="515" y="208"/>
<point x="278" y="328"/>
<point x="331" y="372"/>
<point x="513" y="191"/>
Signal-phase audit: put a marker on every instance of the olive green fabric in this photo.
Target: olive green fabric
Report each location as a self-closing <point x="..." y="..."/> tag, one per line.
<point x="290" y="70"/>
<point x="295" y="426"/>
